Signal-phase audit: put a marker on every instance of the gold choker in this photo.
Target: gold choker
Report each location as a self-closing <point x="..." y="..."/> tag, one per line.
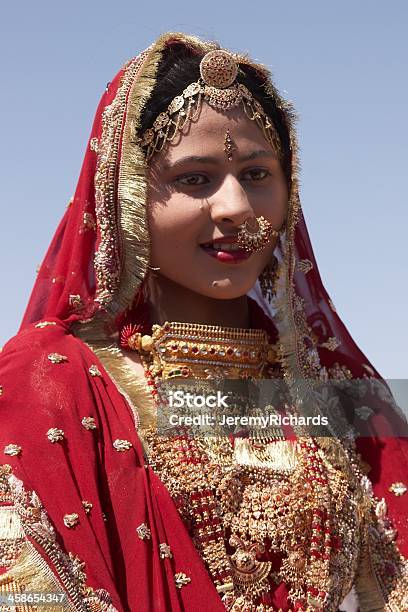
<point x="190" y="350"/>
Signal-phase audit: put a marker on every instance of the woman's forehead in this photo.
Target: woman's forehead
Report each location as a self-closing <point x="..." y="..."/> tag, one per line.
<point x="206" y="136"/>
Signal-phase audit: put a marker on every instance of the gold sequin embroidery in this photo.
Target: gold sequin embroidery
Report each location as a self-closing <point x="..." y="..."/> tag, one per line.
<point x="364" y="412"/>
<point x="304" y="265"/>
<point x="88" y="223"/>
<point x="165" y="551"/>
<point x="57" y="358"/>
<point x="93" y="144"/>
<point x="144" y="532"/>
<point x="398" y="488"/>
<point x="12" y="449"/>
<point x="42" y="324"/>
<point x="181" y="579"/>
<point x="94" y="370"/>
<point x="75" y="301"/>
<point x="331" y="344"/>
<point x="87" y="506"/>
<point x="122" y="445"/>
<point x="89" y="423"/>
<point x="55" y="435"/>
<point x="71" y="520"/>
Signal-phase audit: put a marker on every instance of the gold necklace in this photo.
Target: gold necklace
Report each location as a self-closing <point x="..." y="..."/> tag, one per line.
<point x="189" y="350"/>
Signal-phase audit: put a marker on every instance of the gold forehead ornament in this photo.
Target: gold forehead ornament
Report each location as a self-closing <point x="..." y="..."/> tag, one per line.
<point x="218" y="87"/>
<point x="229" y="145"/>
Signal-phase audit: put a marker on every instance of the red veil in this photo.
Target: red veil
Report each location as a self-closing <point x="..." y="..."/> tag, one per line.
<point x="80" y="512"/>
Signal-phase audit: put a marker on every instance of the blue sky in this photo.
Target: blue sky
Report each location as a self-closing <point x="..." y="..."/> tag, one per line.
<point x="343" y="65"/>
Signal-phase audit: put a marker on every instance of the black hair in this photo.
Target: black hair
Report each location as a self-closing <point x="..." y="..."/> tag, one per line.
<point x="180" y="66"/>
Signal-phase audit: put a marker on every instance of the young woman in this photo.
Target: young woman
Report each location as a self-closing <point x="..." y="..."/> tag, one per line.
<point x="187" y="201"/>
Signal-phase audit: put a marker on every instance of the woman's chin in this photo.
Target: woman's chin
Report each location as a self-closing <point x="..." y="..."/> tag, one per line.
<point x="225" y="289"/>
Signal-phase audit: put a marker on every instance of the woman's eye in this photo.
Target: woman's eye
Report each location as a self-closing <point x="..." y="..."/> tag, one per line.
<point x="191" y="180"/>
<point x="256" y="174"/>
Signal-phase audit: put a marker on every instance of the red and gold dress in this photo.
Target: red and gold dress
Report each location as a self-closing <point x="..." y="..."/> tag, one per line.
<point x="98" y="511"/>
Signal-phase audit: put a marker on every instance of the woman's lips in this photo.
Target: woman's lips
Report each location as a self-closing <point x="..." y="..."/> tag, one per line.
<point x="226" y="256"/>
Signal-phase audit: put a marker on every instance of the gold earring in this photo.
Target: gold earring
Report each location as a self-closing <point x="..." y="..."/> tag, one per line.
<point x="255" y="234"/>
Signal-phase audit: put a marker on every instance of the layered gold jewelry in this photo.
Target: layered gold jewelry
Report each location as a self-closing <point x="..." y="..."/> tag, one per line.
<point x="261" y="510"/>
<point x="255" y="234"/>
<point x="218" y="87"/>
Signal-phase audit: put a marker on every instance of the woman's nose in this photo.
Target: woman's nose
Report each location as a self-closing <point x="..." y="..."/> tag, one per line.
<point x="230" y="203"/>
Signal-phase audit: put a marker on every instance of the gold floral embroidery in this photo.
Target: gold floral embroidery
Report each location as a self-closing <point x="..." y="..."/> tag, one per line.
<point x="55" y="435"/>
<point x="1" y="390"/>
<point x="57" y="358"/>
<point x="27" y="569"/>
<point x="165" y="551"/>
<point x="42" y="324"/>
<point x="94" y="370"/>
<point x="181" y="579"/>
<point x="304" y="265"/>
<point x="12" y="449"/>
<point x="340" y="372"/>
<point x="93" y="144"/>
<point x="107" y="259"/>
<point x="71" y="520"/>
<point x="331" y="344"/>
<point x="398" y="488"/>
<point x="144" y="532"/>
<point x="88" y="223"/>
<point x="87" y="506"/>
<point x="89" y="423"/>
<point x="364" y="412"/>
<point x="75" y="301"/>
<point x="122" y="445"/>
<point x="308" y="354"/>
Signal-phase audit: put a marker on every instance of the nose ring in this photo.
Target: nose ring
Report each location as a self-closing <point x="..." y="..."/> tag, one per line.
<point x="255" y="233"/>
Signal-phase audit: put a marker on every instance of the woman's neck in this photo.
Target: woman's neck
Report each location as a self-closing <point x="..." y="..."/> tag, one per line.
<point x="169" y="301"/>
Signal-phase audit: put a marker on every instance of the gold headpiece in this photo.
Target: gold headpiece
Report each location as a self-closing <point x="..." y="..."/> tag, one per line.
<point x="218" y="87"/>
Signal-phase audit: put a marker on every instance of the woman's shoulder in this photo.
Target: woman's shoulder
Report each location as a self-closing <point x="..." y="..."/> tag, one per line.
<point x="43" y="339"/>
<point x="45" y="363"/>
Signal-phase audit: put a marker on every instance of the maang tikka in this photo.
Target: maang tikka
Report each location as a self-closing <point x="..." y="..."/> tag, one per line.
<point x="229" y="145"/>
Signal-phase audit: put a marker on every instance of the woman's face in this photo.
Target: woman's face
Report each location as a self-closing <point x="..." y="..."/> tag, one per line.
<point x="197" y="199"/>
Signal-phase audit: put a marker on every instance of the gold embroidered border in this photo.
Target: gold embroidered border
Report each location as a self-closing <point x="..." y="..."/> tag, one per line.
<point x="30" y="571"/>
<point x="107" y="256"/>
